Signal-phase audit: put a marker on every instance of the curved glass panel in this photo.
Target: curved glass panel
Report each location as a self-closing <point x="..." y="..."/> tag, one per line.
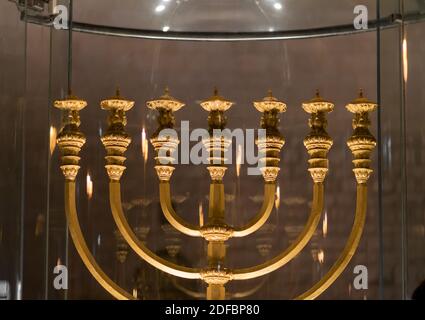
<point x="12" y="104"/>
<point x="39" y="63"/>
<point x="230" y="16"/>
<point x="243" y="72"/>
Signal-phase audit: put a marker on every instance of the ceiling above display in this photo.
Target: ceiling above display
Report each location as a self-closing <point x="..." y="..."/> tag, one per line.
<point x="219" y="15"/>
<point x="222" y="19"/>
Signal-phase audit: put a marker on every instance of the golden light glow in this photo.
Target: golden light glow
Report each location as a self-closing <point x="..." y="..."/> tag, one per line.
<point x="52" y="134"/>
<point x="321" y="256"/>
<point x="238" y="160"/>
<point x="89" y="186"/>
<point x="201" y="215"/>
<point x="405" y="60"/>
<point x="325" y="225"/>
<point x="277" y="200"/>
<point x="135" y="293"/>
<point x="145" y="146"/>
<point x="39" y="225"/>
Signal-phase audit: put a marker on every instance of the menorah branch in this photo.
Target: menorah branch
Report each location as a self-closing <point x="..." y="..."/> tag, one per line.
<point x="349" y="249"/>
<point x="172" y="217"/>
<point x="295" y="248"/>
<point x="83" y="250"/>
<point x="263" y="215"/>
<point x="229" y="295"/>
<point x="361" y="144"/>
<point x="137" y="245"/>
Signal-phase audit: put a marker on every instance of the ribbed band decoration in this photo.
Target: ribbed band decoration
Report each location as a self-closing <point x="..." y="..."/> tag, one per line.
<point x="164" y="143"/>
<point x="318" y="142"/>
<point x="216" y="144"/>
<point x="70" y="139"/>
<point x="115" y="139"/>
<point x="269" y="147"/>
<point x="362" y="142"/>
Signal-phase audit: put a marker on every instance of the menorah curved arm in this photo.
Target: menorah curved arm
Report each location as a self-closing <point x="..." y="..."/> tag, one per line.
<point x="191" y="293"/>
<point x="295" y="248"/>
<point x="249" y="292"/>
<point x="83" y="250"/>
<point x="137" y="245"/>
<point x="172" y="217"/>
<point x="348" y="252"/>
<point x="260" y="219"/>
<point x="202" y="295"/>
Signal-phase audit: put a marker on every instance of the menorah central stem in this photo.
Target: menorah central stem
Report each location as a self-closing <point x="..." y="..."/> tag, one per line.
<point x="216" y="248"/>
<point x="216" y="292"/>
<point x="216" y="205"/>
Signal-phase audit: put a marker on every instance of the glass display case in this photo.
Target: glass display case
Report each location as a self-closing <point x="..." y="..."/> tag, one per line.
<point x="243" y="49"/>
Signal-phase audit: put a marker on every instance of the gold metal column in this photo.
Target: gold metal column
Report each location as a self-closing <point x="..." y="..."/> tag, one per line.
<point x="216" y="231"/>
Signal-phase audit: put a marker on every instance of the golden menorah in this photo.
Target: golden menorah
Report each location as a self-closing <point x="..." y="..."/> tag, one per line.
<point x="216" y="231"/>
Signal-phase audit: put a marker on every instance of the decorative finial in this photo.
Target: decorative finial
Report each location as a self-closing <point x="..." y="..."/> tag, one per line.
<point x="317" y="104"/>
<point x="215" y="91"/>
<point x="361" y="104"/>
<point x="270" y="103"/>
<point x="116" y="102"/>
<point x="165" y="101"/>
<point x="270" y="93"/>
<point x="216" y="102"/>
